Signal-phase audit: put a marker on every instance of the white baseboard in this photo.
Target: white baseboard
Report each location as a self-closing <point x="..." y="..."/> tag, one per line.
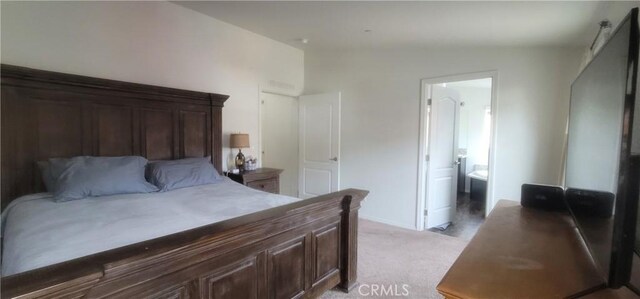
<point x="387" y="221"/>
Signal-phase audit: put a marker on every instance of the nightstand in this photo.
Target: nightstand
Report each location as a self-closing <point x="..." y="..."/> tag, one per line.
<point x="263" y="179"/>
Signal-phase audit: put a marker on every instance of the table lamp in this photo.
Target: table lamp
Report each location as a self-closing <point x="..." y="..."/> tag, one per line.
<point x="240" y="141"/>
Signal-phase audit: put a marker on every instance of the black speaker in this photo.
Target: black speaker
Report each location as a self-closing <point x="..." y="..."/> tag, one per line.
<point x="544" y="197"/>
<point x="590" y="204"/>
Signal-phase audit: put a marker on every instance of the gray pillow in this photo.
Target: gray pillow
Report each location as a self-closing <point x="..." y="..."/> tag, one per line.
<point x="175" y="174"/>
<point x="81" y="177"/>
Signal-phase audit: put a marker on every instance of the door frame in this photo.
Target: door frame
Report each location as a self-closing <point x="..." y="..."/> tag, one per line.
<point x="425" y="119"/>
<point x="261" y="134"/>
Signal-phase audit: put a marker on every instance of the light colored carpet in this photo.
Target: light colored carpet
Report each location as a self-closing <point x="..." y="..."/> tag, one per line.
<point x="403" y="263"/>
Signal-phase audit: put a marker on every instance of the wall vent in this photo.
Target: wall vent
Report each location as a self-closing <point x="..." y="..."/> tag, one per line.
<point x="282" y="85"/>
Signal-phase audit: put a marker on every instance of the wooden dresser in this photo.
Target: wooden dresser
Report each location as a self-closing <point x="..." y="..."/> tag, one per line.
<point x="526" y="253"/>
<point x="263" y="179"/>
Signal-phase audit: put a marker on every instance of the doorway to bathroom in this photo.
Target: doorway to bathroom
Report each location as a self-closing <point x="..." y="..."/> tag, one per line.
<point x="456" y="137"/>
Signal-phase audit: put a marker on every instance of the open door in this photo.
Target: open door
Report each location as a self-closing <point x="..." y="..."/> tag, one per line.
<point x="279" y="137"/>
<point x="442" y="165"/>
<point x="319" y="144"/>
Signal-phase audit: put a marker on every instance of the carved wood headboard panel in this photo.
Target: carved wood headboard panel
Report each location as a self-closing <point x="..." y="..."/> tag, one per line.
<point x="47" y="114"/>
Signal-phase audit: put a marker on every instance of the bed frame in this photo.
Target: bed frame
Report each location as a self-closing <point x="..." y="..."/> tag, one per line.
<point x="297" y="250"/>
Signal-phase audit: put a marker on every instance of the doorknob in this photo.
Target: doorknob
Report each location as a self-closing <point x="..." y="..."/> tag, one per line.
<point x="456" y="163"/>
<point x="335" y="159"/>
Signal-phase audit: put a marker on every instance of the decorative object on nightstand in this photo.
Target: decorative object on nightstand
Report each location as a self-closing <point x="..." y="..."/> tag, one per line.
<point x="239" y="141"/>
<point x="263" y="179"/>
<point x="251" y="163"/>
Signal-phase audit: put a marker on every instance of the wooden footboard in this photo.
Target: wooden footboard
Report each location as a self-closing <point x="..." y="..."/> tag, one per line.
<point x="298" y="250"/>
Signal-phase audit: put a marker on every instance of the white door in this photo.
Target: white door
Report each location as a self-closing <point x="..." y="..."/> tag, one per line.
<point x="319" y="144"/>
<point x="279" y="136"/>
<point x="442" y="167"/>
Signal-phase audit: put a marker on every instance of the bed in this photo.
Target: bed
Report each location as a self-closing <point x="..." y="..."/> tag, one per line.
<point x="210" y="241"/>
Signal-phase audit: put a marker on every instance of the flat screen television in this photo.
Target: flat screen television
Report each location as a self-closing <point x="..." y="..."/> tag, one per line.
<point x="602" y="171"/>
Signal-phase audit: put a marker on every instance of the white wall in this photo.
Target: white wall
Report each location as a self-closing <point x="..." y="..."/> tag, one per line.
<point x="380" y="111"/>
<point x="158" y="43"/>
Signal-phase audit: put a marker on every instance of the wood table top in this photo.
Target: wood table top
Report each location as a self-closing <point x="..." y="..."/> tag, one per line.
<point x="523" y="253"/>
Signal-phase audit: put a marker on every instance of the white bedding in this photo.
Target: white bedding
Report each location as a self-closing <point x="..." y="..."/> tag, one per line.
<point x="39" y="232"/>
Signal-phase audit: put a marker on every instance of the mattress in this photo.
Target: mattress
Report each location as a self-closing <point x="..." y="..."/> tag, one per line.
<point x="39" y="232"/>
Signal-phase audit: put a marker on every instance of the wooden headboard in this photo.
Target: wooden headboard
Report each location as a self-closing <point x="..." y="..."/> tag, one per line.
<point x="47" y="114"/>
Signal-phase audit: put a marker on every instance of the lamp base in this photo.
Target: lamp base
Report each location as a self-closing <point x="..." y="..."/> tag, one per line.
<point x="240" y="160"/>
